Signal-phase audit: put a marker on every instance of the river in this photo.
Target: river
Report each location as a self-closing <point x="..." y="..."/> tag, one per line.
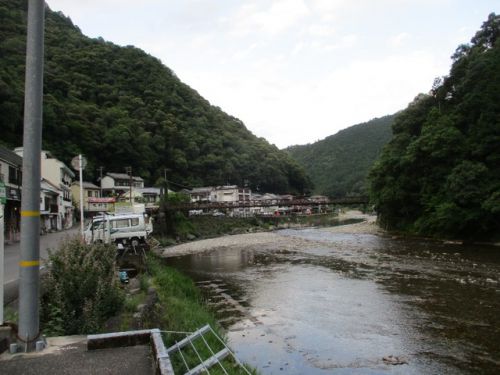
<point x="353" y="303"/>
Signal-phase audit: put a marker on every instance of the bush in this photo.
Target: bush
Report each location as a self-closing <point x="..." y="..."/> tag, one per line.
<point x="81" y="289"/>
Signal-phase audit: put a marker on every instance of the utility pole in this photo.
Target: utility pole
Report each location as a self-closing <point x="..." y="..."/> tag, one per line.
<point x="129" y="171"/>
<point x="2" y="243"/>
<point x="80" y="171"/>
<point x="29" y="264"/>
<point x="100" y="169"/>
<point x="166" y="183"/>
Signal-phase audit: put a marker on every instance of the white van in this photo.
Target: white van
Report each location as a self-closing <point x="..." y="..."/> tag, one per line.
<point x="127" y="229"/>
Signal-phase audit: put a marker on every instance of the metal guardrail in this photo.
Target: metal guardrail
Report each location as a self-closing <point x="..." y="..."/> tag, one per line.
<point x="203" y="365"/>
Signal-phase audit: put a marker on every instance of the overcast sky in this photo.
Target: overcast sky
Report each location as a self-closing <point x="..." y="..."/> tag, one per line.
<point x="294" y="71"/>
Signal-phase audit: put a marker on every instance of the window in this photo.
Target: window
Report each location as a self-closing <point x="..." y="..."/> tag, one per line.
<point x="89" y="193"/>
<point x="14" y="176"/>
<point x="134" y="221"/>
<point x="97" y="225"/>
<point x="121" y="223"/>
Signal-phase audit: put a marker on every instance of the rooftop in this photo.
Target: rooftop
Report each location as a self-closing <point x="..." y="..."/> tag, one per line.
<point x="123" y="176"/>
<point x="86" y="185"/>
<point x="204" y="189"/>
<point x="10" y="156"/>
<point x="149" y="190"/>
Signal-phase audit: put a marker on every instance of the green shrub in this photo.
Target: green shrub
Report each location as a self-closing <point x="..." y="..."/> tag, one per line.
<point x="81" y="289"/>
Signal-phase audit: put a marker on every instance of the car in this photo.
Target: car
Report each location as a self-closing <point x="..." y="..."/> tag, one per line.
<point x="218" y="214"/>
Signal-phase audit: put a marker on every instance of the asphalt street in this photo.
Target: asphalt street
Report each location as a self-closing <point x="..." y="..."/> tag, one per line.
<point x="12" y="258"/>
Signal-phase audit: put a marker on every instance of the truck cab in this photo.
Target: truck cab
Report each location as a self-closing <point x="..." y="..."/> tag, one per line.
<point x="125" y="229"/>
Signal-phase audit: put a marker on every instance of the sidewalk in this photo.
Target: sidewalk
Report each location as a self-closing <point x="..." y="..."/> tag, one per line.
<point x="69" y="355"/>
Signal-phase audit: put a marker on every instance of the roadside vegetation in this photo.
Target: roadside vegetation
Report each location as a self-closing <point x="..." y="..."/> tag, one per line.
<point x="81" y="289"/>
<point x="82" y="294"/>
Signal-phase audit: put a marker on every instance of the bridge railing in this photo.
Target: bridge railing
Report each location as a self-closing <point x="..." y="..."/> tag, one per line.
<point x="267" y="203"/>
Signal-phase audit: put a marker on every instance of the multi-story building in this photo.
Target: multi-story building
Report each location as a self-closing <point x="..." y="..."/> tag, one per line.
<point x="232" y="193"/>
<point x="149" y="196"/>
<point x="93" y="203"/>
<point x="202" y="194"/>
<point x="120" y="185"/>
<point x="59" y="175"/>
<point x="227" y="193"/>
<point x="11" y="176"/>
<point x="49" y="207"/>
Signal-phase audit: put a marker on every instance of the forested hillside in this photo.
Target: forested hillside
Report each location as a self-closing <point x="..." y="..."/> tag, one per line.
<point x="440" y="174"/>
<point x="121" y="107"/>
<point x="338" y="165"/>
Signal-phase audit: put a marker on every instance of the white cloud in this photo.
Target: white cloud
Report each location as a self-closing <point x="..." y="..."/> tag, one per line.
<point x="273" y="19"/>
<point x="399" y="39"/>
<point x="289" y="112"/>
<point x="321" y="30"/>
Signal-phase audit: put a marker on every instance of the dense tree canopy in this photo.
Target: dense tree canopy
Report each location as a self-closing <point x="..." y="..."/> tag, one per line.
<point x="339" y="164"/>
<point x="121" y="107"/>
<point x="440" y="174"/>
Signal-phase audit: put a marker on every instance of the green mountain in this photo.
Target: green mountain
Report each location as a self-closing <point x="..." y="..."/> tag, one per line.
<point x="121" y="107"/>
<point x="440" y="174"/>
<point x="338" y="165"/>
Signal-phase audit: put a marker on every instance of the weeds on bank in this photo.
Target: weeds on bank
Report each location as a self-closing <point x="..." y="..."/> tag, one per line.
<point x="185" y="311"/>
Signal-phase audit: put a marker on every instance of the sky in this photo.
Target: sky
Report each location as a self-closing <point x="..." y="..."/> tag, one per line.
<point x="294" y="71"/>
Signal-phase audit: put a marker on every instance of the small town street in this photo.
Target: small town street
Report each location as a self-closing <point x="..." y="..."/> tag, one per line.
<point x="13" y="251"/>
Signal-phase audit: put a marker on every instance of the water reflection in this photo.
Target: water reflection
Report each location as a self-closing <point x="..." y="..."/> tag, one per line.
<point x="343" y="304"/>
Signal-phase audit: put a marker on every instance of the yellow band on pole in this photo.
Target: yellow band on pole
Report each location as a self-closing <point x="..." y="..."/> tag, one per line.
<point x="30" y="213"/>
<point x="29" y="263"/>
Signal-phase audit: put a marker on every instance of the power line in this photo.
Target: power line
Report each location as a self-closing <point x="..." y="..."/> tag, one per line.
<point x="180" y="185"/>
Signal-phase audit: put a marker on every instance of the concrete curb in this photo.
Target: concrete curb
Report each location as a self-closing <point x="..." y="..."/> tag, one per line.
<point x="163" y="366"/>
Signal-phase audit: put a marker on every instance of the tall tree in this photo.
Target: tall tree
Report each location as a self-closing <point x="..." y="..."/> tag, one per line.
<point x="440" y="174"/>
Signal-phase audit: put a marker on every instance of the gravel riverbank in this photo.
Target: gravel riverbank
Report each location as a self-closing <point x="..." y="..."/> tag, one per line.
<point x="265" y="239"/>
<point x="368" y="226"/>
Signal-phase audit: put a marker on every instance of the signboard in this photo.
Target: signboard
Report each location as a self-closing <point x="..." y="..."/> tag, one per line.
<point x="75" y="162"/>
<point x="13" y="194"/>
<point x="101" y="200"/>
<point x="3" y="193"/>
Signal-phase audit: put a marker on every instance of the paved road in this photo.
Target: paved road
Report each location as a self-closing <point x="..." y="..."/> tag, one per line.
<point x="12" y="254"/>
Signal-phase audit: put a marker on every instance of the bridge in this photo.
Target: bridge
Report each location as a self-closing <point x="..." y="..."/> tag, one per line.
<point x="267" y="203"/>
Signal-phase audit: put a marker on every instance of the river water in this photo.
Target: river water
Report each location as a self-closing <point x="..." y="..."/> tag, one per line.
<point x="356" y="304"/>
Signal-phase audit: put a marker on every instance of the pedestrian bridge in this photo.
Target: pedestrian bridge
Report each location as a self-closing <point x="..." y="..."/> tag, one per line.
<point x="268" y="203"/>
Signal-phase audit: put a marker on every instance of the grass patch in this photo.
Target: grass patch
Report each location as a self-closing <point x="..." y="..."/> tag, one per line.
<point x="131" y="302"/>
<point x="185" y="311"/>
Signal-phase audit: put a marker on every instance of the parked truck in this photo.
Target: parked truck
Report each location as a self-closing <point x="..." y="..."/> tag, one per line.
<point x="126" y="229"/>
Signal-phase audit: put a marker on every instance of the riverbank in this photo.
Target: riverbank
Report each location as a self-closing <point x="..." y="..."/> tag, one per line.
<point x="269" y="239"/>
<point x="384" y="300"/>
<point x="367" y="226"/>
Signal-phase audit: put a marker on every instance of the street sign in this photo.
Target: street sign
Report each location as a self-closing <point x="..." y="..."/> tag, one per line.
<point x="75" y="162"/>
<point x="3" y="193"/>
